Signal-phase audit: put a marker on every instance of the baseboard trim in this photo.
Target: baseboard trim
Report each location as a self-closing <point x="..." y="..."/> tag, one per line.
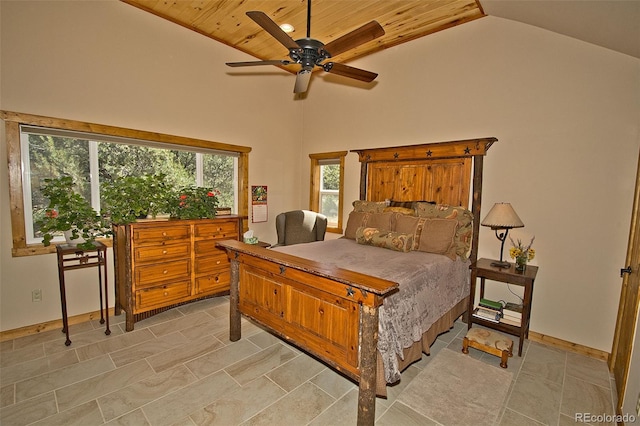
<point x="568" y="346"/>
<point x="49" y="325"/>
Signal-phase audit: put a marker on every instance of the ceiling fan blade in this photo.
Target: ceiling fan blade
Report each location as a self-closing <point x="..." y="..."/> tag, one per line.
<point x="253" y="63"/>
<point x="272" y="28"/>
<point x="355" y="38"/>
<point x="351" y="72"/>
<point x="302" y="81"/>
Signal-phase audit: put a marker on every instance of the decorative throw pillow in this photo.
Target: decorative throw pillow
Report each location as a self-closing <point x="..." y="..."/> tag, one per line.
<point x="400" y="210"/>
<point x="464" y="233"/>
<point x="369" y="206"/>
<point x="411" y="225"/>
<point x="384" y="239"/>
<point x="355" y="221"/>
<point x="438" y="236"/>
<point x="382" y="221"/>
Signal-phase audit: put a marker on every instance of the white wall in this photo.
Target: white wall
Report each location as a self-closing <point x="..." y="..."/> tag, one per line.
<point x="565" y="113"/>
<point x="107" y="62"/>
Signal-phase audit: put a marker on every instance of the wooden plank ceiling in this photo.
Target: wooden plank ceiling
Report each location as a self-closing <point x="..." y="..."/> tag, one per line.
<point x="226" y="21"/>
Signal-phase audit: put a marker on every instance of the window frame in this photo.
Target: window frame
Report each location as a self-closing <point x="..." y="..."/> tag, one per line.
<point x="13" y="120"/>
<point x="316" y="186"/>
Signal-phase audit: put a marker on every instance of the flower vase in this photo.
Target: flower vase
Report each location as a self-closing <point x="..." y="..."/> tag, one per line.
<point x="68" y="235"/>
<point x="521" y="263"/>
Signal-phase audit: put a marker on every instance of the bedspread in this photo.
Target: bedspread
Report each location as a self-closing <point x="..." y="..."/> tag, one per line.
<point x="429" y="286"/>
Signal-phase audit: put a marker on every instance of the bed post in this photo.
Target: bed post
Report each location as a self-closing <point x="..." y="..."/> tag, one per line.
<point x="235" y="328"/>
<point x="476" y="203"/>
<point x="368" y="362"/>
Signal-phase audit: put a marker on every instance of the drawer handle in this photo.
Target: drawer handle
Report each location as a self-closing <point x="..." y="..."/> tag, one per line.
<point x="166" y="293"/>
<point x="164" y="252"/>
<point x="217" y="278"/>
<point x="165" y="272"/>
<point x="218" y="262"/>
<point x="164" y="234"/>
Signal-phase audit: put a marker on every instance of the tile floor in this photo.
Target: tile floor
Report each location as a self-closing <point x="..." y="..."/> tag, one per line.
<point x="179" y="368"/>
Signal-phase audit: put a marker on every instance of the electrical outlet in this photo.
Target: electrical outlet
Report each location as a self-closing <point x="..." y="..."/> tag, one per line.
<point x="36" y="295"/>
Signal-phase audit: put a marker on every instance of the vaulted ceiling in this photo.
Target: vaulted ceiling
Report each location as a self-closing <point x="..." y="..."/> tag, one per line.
<point x="609" y="23"/>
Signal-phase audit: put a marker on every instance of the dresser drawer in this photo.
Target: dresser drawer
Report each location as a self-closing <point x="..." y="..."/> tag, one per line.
<point x="214" y="283"/>
<point x="212" y="262"/>
<point x="163" y="252"/>
<point x="144" y="235"/>
<point x="162" y="295"/>
<point x="217" y="230"/>
<point x="148" y="275"/>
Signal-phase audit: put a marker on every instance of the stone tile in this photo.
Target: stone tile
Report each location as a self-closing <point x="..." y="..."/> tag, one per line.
<point x="78" y="340"/>
<point x="134" y="418"/>
<point x="264" y="339"/>
<point x="545" y="362"/>
<point x="512" y="418"/>
<point x="205" y="305"/>
<point x="7" y="395"/>
<point x="584" y="397"/>
<point x="183" y="353"/>
<point x="536" y="398"/>
<point x="113" y="344"/>
<point x="6" y="346"/>
<point x="177" y="405"/>
<point x="51" y="335"/>
<point x="62" y="377"/>
<point x="82" y="415"/>
<point x="179" y="324"/>
<point x="260" y="363"/>
<point x="588" y="369"/>
<point x="400" y="414"/>
<point x="295" y="372"/>
<point x="297" y="407"/>
<point x="38" y="366"/>
<point x="206" y="328"/>
<point x="29" y="411"/>
<point x="18" y="356"/>
<point x="137" y="394"/>
<point x="221" y="358"/>
<point x="333" y="383"/>
<point x="148" y="349"/>
<point x="154" y="320"/>
<point x="342" y="411"/>
<point x="240" y="405"/>
<point x="102" y="384"/>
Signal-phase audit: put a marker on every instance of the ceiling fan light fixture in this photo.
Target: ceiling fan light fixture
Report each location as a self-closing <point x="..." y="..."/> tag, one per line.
<point x="287" y="28"/>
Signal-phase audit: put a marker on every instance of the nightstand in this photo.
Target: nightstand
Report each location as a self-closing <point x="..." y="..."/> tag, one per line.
<point x="482" y="269"/>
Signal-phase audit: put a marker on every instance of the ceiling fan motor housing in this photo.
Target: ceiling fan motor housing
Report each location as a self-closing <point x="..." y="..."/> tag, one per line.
<point x="310" y="53"/>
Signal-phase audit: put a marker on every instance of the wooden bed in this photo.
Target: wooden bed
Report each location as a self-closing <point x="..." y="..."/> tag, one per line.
<point x="333" y="313"/>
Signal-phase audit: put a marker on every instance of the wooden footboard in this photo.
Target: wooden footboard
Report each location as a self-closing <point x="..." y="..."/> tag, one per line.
<point x="332" y="313"/>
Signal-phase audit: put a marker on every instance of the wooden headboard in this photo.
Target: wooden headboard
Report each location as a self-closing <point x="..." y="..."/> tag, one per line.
<point x="440" y="172"/>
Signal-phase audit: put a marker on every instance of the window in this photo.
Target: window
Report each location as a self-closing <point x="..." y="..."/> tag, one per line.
<point x="327" y="177"/>
<point x="41" y="148"/>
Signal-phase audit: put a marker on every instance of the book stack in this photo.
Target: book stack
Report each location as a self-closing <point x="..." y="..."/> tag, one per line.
<point x="512" y="314"/>
<point x="488" y="310"/>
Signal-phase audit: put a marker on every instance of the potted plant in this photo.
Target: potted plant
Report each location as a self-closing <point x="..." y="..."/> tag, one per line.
<point x="129" y="198"/>
<point x="69" y="213"/>
<point x="194" y="202"/>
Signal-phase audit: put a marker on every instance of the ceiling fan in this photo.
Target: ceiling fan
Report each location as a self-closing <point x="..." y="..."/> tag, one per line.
<point x="311" y="53"/>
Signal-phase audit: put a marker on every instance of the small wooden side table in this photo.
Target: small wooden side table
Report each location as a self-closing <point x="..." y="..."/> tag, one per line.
<point x="70" y="258"/>
<point x="482" y="269"/>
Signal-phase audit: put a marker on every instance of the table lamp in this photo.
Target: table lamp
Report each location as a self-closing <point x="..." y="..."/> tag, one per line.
<point x="502" y="217"/>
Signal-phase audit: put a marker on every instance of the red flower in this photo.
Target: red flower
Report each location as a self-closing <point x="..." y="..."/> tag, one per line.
<point x="51" y="213"/>
<point x="210" y="194"/>
<point x="183" y="197"/>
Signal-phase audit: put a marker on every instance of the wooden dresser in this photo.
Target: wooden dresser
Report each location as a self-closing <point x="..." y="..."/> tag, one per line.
<point x="160" y="264"/>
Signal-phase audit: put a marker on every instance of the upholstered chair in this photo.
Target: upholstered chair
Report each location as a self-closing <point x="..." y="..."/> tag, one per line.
<point x="300" y="226"/>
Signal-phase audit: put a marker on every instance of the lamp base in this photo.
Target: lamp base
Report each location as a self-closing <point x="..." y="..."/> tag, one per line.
<point x="503" y="265"/>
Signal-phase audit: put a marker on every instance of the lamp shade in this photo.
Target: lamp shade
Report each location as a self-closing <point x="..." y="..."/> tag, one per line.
<point x="502" y="216"/>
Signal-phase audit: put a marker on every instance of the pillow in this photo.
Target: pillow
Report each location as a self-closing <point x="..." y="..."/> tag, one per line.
<point x="355" y="221"/>
<point x="401" y="210"/>
<point x="411" y="225"/>
<point x="464" y="217"/>
<point x="438" y="236"/>
<point x="369" y="206"/>
<point x="382" y="221"/>
<point x="384" y="239"/>
<point x="407" y="204"/>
